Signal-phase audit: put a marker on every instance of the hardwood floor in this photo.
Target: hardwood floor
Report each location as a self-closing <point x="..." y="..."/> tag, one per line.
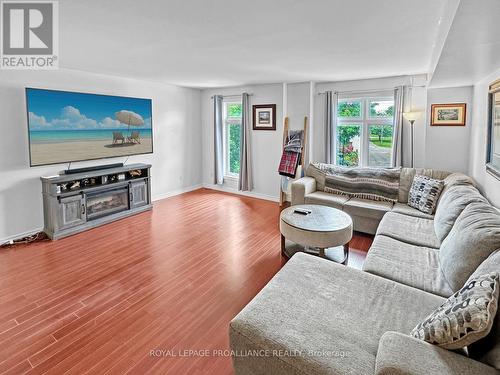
<point x="99" y="302"/>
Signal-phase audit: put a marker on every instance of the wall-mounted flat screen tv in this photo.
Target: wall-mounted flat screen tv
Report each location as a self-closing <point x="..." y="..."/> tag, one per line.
<point x="71" y="126"/>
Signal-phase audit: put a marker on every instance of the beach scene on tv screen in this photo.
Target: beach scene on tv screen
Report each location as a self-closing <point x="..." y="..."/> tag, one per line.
<point x="68" y="126"/>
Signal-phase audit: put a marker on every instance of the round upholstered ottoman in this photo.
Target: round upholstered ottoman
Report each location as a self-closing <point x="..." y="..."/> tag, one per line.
<point x="320" y="232"/>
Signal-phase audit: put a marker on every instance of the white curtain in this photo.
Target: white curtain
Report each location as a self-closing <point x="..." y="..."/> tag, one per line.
<point x="397" y="150"/>
<point x="331" y="103"/>
<point x="245" y="182"/>
<point x="218" y="141"/>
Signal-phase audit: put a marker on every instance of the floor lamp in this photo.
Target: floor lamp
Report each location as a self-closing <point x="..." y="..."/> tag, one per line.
<point x="411" y="117"/>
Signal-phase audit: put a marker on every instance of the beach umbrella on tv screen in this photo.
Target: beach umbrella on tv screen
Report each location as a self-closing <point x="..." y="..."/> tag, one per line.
<point x="129" y="118"/>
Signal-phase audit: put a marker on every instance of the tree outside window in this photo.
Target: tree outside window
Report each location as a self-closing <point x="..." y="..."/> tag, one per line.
<point x="347" y="151"/>
<point x="365" y="132"/>
<point x="232" y="135"/>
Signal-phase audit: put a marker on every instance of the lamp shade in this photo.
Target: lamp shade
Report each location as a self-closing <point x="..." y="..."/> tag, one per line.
<point x="411" y="116"/>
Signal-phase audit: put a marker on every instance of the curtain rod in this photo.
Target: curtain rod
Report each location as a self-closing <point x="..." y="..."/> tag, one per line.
<point x="232" y="96"/>
<point x="367" y="91"/>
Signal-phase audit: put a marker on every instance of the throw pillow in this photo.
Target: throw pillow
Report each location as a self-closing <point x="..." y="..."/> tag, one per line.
<point x="424" y="193"/>
<point x="465" y="317"/>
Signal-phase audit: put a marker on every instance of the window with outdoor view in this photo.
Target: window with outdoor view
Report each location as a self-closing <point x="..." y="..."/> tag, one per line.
<point x="364" y="132"/>
<point x="232" y="125"/>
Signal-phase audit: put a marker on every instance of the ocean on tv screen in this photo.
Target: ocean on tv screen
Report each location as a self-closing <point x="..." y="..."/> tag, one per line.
<point x="69" y="126"/>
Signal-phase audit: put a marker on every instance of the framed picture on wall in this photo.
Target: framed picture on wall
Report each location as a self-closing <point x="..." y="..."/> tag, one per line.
<point x="448" y="114"/>
<point x="493" y="155"/>
<point x="264" y="117"/>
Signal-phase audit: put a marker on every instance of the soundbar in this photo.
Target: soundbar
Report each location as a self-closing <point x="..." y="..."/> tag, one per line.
<point x="95" y="168"/>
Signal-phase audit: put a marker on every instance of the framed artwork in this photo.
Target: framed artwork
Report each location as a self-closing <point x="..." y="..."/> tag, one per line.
<point x="493" y="155"/>
<point x="448" y="114"/>
<point x="264" y="117"/>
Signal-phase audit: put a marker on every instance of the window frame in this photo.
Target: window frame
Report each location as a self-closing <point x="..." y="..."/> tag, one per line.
<point x="365" y="121"/>
<point x="227" y="121"/>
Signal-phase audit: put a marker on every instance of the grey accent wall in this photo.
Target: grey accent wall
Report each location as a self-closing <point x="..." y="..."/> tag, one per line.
<point x="448" y="147"/>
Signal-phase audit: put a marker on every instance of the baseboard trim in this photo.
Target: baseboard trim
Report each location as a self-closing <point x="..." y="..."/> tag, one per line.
<point x="20" y="235"/>
<point x="244" y="193"/>
<point x="173" y="193"/>
<point x="154" y="198"/>
<point x="158" y="197"/>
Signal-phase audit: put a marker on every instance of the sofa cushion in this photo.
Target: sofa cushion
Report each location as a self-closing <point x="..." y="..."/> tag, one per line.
<point x="318" y="175"/>
<point x="407" y="175"/>
<point x="410" y="229"/>
<point x="474" y="236"/>
<point x="403" y="208"/>
<point x="314" y="304"/>
<point x="453" y="201"/>
<point x="300" y="188"/>
<point x="490" y="264"/>
<point x="400" y="354"/>
<point x="487" y="350"/>
<point x="465" y="317"/>
<point x="367" y="208"/>
<point x="458" y="179"/>
<point x="327" y="199"/>
<point x="424" y="193"/>
<point x="415" y="266"/>
<point x="364" y="224"/>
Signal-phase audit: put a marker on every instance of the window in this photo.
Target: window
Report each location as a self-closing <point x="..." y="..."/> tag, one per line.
<point x="364" y="132"/>
<point x="232" y="125"/>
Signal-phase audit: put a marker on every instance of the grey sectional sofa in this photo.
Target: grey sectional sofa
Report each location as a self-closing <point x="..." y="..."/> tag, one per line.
<point x="366" y="214"/>
<point x="318" y="317"/>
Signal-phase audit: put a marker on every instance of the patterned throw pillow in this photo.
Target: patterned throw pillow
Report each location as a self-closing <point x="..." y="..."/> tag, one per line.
<point x="424" y="193"/>
<point x="465" y="317"/>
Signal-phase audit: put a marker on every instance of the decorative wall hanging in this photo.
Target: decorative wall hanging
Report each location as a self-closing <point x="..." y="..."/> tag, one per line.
<point x="448" y="114"/>
<point x="264" y="117"/>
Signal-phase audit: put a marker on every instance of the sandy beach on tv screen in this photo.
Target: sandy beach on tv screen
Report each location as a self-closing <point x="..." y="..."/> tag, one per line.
<point x="58" y="152"/>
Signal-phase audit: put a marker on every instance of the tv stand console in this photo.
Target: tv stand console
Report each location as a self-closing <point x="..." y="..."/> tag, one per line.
<point x="76" y="202"/>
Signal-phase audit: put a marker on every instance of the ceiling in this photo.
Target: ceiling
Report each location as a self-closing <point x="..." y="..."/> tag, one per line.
<point x="472" y="48"/>
<point x="214" y="43"/>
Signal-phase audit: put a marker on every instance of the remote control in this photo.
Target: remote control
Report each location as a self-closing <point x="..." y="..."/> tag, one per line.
<point x="302" y="211"/>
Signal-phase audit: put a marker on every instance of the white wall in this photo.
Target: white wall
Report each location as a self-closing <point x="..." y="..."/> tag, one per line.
<point x="298" y="107"/>
<point x="447" y="147"/>
<point x="183" y="135"/>
<point x="489" y="185"/>
<point x="176" y="131"/>
<point x="302" y="99"/>
<point x="265" y="144"/>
